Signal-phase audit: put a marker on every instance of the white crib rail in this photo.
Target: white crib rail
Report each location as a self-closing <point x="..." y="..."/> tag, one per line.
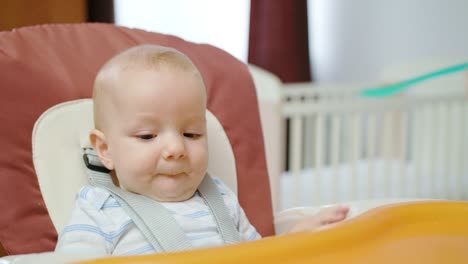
<point x="414" y="146"/>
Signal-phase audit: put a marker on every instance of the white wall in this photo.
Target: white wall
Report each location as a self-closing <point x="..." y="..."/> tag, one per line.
<point x="355" y="40"/>
<point x="221" y="23"/>
<point x="350" y="40"/>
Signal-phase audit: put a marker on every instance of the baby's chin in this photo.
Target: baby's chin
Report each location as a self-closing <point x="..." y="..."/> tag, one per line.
<point x="172" y="198"/>
<point x="168" y="197"/>
<point x="172" y="189"/>
<point x="165" y="190"/>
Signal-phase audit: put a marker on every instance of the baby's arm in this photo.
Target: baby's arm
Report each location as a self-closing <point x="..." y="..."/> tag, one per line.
<point x="84" y="234"/>
<point x="246" y="230"/>
<point x="323" y="219"/>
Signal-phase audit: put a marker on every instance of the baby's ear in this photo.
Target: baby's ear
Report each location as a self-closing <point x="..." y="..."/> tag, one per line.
<point x="99" y="143"/>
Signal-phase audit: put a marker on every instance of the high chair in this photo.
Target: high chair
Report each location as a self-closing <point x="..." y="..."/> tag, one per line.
<point x="46" y="73"/>
<point x="44" y="65"/>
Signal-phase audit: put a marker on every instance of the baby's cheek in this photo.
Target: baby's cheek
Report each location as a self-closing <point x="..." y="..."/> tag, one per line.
<point x="199" y="157"/>
<point x="203" y="167"/>
<point x="132" y="169"/>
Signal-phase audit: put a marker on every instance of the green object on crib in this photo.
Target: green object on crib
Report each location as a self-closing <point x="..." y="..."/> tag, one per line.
<point x="394" y="88"/>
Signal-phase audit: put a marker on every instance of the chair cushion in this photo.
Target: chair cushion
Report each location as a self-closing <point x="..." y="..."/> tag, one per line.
<point x="42" y="66"/>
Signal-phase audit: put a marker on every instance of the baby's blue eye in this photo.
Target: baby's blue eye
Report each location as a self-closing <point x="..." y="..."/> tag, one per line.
<point x="192" y="135"/>
<point x="146" y="137"/>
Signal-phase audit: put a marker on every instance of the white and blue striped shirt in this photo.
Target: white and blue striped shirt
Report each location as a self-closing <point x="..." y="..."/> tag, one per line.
<point x="99" y="225"/>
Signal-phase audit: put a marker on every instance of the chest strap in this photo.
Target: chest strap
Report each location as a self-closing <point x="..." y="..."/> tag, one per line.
<point x="155" y="222"/>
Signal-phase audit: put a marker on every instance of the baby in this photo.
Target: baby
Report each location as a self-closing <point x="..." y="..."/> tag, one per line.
<point x="150" y="134"/>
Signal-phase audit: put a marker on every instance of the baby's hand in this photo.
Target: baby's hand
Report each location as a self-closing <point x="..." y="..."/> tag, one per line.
<point x="323" y="219"/>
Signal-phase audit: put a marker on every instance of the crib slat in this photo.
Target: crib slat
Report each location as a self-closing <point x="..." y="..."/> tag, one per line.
<point x="438" y="150"/>
<point x="319" y="154"/>
<point x="464" y="151"/>
<point x="295" y="159"/>
<point x="403" y="154"/>
<point x="453" y="153"/>
<point x="355" y="153"/>
<point x="461" y="147"/>
<point x="387" y="150"/>
<point x="428" y="134"/>
<point x="417" y="148"/>
<point x="445" y="175"/>
<point x="335" y="152"/>
<point x="461" y="182"/>
<point x="370" y="152"/>
<point x="446" y="154"/>
<point x="308" y="144"/>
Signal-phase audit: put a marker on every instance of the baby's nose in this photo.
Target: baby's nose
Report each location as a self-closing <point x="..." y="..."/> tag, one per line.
<point x="175" y="148"/>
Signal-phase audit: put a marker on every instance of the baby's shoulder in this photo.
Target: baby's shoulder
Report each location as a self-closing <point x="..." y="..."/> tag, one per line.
<point x="222" y="188"/>
<point x="225" y="191"/>
<point x="96" y="197"/>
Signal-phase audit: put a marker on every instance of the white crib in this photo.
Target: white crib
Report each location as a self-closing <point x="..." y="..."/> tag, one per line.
<point x="344" y="147"/>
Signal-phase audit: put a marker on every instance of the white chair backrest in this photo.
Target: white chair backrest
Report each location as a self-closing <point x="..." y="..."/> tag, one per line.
<point x="269" y="87"/>
<point x="61" y="133"/>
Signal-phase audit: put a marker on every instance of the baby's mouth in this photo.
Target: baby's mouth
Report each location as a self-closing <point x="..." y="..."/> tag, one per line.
<point x="171" y="174"/>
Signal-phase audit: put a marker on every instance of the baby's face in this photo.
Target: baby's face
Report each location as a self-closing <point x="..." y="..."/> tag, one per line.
<point x="157" y="133"/>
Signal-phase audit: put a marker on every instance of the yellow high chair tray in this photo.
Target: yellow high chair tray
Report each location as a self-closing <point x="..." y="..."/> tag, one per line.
<point x="416" y="232"/>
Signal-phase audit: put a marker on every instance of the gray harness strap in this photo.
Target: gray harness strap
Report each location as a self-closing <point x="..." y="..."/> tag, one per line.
<point x="226" y="226"/>
<point x="155" y="222"/>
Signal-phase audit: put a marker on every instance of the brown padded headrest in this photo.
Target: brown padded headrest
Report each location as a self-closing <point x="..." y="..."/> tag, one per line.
<point x="42" y="66"/>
